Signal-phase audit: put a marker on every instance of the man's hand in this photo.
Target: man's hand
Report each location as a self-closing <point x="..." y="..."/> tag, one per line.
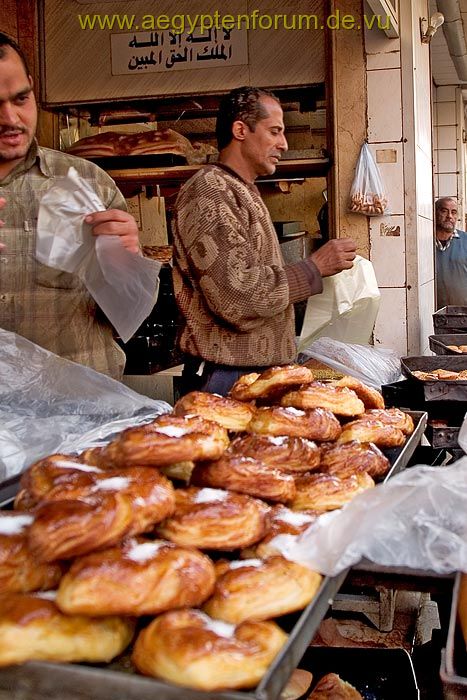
<point x="334" y="256"/>
<point x="115" y="222"/>
<point x="2" y="204"/>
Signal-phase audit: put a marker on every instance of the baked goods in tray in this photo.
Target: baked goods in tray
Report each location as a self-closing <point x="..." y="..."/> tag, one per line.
<point x="284" y="521"/>
<point x="292" y="455"/>
<point x="458" y="348"/>
<point x="166" y="440"/>
<point x="271" y="383"/>
<point x="245" y="475"/>
<point x="20" y="572"/>
<point x="231" y="414"/>
<point x="441" y="374"/>
<point x="352" y="457"/>
<point x="332" y="687"/>
<point x="32" y="627"/>
<point x="215" y="519"/>
<point x="340" y="400"/>
<point x="99" y="512"/>
<point x="370" y="397"/>
<point x="315" y="424"/>
<point x="113" y="143"/>
<point x="138" y="577"/>
<point x="187" y="648"/>
<point x="323" y="492"/>
<point x="371" y="430"/>
<point x="392" y="416"/>
<point x="256" y="589"/>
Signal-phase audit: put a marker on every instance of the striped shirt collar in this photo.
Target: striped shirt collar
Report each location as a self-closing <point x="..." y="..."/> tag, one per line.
<point x="444" y="245"/>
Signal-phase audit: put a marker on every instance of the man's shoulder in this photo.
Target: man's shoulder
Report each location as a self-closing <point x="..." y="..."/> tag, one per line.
<point x="58" y="163"/>
<point x="210" y="178"/>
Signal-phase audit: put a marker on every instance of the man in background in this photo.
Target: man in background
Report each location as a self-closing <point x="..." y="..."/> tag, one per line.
<point x="49" y="307"/>
<point x="233" y="290"/>
<point x="451" y="255"/>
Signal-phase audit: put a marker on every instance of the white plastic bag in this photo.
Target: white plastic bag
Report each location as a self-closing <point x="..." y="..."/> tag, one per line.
<point x="46" y="400"/>
<point x="346" y="309"/>
<point x="367" y="194"/>
<point x="462" y="439"/>
<point x="373" y="366"/>
<point x="418" y="519"/>
<point x="123" y="284"/>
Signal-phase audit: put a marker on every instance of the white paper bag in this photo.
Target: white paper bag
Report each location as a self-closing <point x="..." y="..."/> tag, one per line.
<point x="346" y="309"/>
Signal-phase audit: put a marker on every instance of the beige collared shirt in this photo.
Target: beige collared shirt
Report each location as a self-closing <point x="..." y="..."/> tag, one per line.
<point x="50" y="307"/>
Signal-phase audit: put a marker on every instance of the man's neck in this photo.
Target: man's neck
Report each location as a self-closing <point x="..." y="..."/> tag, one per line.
<point x="442" y="235"/>
<point x="237" y="164"/>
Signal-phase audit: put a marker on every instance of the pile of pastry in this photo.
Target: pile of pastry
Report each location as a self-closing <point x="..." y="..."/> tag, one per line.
<point x="165" y="536"/>
<point x="441" y="374"/>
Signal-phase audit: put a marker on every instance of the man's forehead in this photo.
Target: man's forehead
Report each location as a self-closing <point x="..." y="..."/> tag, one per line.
<point x="448" y="204"/>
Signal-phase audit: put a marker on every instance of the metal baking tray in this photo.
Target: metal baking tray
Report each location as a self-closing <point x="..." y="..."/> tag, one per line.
<point x="438" y="389"/>
<point x="453" y="670"/>
<point x="450" y="317"/>
<point x="50" y="681"/>
<point x="439" y="343"/>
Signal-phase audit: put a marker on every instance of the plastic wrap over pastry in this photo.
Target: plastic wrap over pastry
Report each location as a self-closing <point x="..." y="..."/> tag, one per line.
<point x="391" y="416"/>
<point x="370" y="397"/>
<point x="323" y="492"/>
<point x="20" y="572"/>
<point x="215" y="519"/>
<point x="33" y="628"/>
<point x="271" y="383"/>
<point x="167" y="440"/>
<point x="339" y="400"/>
<point x="187" y="648"/>
<point x="332" y="687"/>
<point x="139" y="577"/>
<point x="371" y="430"/>
<point x="315" y="424"/>
<point x="284" y="521"/>
<point x="231" y="414"/>
<point x="257" y="589"/>
<point x="292" y="455"/>
<point x="352" y="457"/>
<point x="245" y="475"/>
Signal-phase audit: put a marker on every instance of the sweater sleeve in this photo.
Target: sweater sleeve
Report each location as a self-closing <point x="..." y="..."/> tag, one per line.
<point x="224" y="252"/>
<point x="304" y="280"/>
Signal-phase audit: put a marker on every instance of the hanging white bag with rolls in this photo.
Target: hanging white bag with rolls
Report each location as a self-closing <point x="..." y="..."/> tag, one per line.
<point x="346" y="309"/>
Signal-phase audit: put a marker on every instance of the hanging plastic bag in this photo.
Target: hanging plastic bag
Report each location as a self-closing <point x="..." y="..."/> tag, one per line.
<point x="123" y="284"/>
<point x="417" y="519"/>
<point x="346" y="309"/>
<point x="367" y="194"/>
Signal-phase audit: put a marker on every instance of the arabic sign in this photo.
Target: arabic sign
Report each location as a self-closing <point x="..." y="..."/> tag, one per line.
<point x="164" y="51"/>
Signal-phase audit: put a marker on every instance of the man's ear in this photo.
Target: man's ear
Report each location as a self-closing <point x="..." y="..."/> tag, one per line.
<point x="239" y="129"/>
<point x="31" y="82"/>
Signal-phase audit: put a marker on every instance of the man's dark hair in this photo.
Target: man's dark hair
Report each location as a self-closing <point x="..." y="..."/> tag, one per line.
<point x="5" y="41"/>
<point x="242" y="104"/>
<point x="440" y="202"/>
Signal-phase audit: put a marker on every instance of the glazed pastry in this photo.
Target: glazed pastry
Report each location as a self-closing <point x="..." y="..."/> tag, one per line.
<point x="20" y="572"/>
<point x="284" y="521"/>
<point x="270" y="383"/>
<point x="231" y="414"/>
<point x="33" y="628"/>
<point x="370" y="397"/>
<point x="292" y="455"/>
<point x="322" y="492"/>
<point x="371" y="430"/>
<point x="256" y="589"/>
<point x="215" y="519"/>
<point x="315" y="424"/>
<point x="187" y="648"/>
<point x="352" y="457"/>
<point x="138" y="577"/>
<point x="392" y="416"/>
<point x="167" y="440"/>
<point x="331" y="687"/>
<point x="245" y="475"/>
<point x="340" y="400"/>
<point x="180" y="471"/>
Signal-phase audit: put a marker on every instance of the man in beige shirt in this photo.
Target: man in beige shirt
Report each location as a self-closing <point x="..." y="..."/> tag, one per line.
<point x="47" y="306"/>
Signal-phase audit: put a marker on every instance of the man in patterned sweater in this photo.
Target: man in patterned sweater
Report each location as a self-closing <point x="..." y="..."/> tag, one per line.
<point x="233" y="290"/>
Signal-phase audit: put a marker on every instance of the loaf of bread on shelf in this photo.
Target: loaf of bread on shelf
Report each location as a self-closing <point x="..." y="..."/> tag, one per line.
<point x="189" y="649"/>
<point x="33" y="628"/>
<point x="20" y="572"/>
<point x="112" y="143"/>
<point x="137" y="577"/>
<point x="215" y="519"/>
<point x="260" y="589"/>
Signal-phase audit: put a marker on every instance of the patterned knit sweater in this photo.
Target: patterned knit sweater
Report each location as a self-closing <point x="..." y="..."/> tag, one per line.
<point x="233" y="290"/>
